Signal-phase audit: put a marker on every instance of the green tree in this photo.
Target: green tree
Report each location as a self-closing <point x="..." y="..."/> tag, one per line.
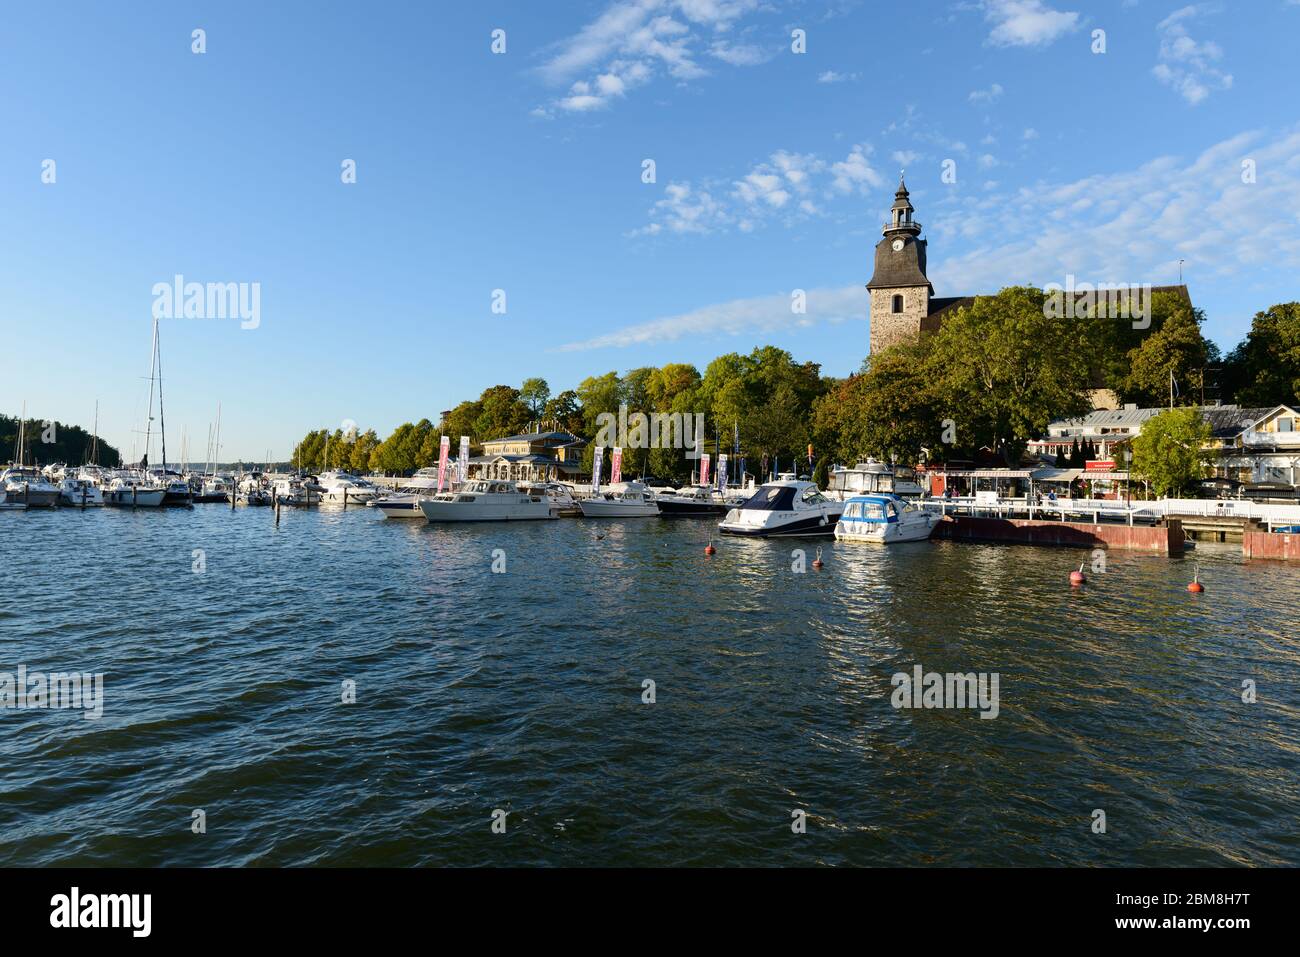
<point x="534" y="393"/>
<point x="1264" y="369"/>
<point x="1004" y="368"/>
<point x="1169" y="451"/>
<point x="1173" y="348"/>
<point x="889" y="411"/>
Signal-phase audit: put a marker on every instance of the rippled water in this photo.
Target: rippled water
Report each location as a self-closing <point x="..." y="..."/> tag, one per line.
<point x="523" y="692"/>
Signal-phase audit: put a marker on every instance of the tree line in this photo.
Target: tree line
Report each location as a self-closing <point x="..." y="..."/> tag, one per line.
<point x="987" y="381"/>
<point x="48" y="442"/>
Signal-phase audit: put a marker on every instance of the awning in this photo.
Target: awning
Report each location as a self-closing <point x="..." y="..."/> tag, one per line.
<point x="1000" y="473"/>
<point x="1056" y="475"/>
<point x="1096" y="476"/>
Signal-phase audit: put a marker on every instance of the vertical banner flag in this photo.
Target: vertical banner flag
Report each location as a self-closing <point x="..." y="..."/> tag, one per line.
<point x="464" y="459"/>
<point x="722" y="472"/>
<point x="704" y="469"/>
<point x="596" y="462"/>
<point x="616" y="466"/>
<point x="443" y="446"/>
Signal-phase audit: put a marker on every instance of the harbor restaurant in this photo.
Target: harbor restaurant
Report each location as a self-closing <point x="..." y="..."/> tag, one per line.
<point x="532" y="457"/>
<point x="1099" y="480"/>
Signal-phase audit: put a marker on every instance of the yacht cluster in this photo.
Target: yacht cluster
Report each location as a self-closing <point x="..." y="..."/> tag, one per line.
<point x="860" y="504"/>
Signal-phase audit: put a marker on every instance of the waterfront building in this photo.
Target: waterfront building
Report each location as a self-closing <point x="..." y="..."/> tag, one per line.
<point x="531" y="457"/>
<point x="1251" y="445"/>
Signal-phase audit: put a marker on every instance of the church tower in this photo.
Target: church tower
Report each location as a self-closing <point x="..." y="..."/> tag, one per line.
<point x="900" y="291"/>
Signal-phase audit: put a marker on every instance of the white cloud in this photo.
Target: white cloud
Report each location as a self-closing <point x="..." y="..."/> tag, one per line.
<point x="904" y="157"/>
<point x="1026" y="23"/>
<point x="854" y="173"/>
<point x="740" y="54"/>
<point x="987" y="96"/>
<point x="632" y="42"/>
<point x="685" y="209"/>
<point x="759" y="314"/>
<point x="1184" y="64"/>
<point x="1030" y="134"/>
<point x="830" y="76"/>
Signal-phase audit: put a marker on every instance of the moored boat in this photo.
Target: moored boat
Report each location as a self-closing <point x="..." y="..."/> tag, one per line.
<point x="131" y="490"/>
<point x="787" y="507"/>
<point x="486" y="500"/>
<point x="697" y="501"/>
<point x="884" y="519"/>
<point x="621" y="500"/>
<point x="344" y="488"/>
<point x="28" y="486"/>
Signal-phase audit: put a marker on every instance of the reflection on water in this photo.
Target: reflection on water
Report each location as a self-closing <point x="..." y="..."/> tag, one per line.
<point x="522" y="691"/>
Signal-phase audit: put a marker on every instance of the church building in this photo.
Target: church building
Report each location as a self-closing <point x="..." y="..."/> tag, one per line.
<point x="903" y="303"/>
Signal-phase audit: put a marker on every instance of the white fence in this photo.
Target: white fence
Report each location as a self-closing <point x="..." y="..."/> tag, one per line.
<point x="1105" y="509"/>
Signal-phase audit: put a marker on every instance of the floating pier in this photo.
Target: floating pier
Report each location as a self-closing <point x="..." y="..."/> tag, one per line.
<point x="1164" y="539"/>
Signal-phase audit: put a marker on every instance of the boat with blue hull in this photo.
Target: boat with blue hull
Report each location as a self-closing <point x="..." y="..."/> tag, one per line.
<point x="884" y="519"/>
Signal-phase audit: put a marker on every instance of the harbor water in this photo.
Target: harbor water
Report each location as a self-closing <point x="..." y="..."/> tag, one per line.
<point x="227" y="643"/>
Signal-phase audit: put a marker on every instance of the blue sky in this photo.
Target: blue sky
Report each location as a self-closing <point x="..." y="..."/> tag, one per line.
<point x="522" y="171"/>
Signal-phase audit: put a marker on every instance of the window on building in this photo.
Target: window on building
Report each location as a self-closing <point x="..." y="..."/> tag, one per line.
<point x="898" y="304"/>
<point x="1286" y="425"/>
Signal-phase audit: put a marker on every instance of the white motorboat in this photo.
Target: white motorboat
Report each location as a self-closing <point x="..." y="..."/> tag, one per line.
<point x="558" y="495"/>
<point x="621" y="500"/>
<point x="252" y="489"/>
<point x="403" y="503"/>
<point x="485" y="500"/>
<point x="80" y="490"/>
<point x="884" y="519"/>
<point x="344" y="488"/>
<point x="696" y="501"/>
<point x="297" y="491"/>
<point x="28" y="486"/>
<point x="872" y="477"/>
<point x="132" y="490"/>
<point x="786" y="507"/>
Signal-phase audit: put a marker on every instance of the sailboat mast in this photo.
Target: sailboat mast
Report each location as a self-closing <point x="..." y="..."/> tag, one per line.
<point x="153" y="364"/>
<point x="162" y="420"/>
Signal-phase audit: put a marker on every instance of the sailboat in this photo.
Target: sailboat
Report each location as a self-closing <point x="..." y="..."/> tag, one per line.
<point x="175" y="490"/>
<point x="22" y="485"/>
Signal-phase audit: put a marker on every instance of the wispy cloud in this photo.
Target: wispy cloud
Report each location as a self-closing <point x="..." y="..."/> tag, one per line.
<point x="759" y="314"/>
<point x="787" y="186"/>
<point x="1185" y="65"/>
<point x="990" y="95"/>
<point x="633" y="42"/>
<point x="830" y="76"/>
<point x="1027" y="23"/>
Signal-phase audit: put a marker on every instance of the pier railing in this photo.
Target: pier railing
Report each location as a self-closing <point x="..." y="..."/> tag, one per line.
<point x="1104" y="509"/>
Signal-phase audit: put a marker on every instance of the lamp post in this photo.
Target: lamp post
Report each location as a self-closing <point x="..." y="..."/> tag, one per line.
<point x="1128" y="475"/>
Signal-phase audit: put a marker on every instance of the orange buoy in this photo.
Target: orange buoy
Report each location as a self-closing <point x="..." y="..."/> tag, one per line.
<point x="1195" y="585"/>
<point x="1076" y="577"/>
<point x="709" y="549"/>
<point x="817" y="562"/>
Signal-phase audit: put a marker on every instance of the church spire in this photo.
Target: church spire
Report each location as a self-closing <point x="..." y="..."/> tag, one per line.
<point x="900" y="214"/>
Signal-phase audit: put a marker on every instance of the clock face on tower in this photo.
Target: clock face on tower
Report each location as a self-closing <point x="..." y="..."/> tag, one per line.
<point x="898" y="245"/>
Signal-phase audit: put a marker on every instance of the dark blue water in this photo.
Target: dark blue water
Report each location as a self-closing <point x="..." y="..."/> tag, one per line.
<point x="522" y="692"/>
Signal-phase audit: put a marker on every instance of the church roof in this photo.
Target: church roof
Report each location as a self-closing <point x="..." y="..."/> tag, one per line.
<point x="943" y="304"/>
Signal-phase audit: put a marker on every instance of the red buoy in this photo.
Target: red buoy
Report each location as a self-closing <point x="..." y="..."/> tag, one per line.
<point x="709" y="549"/>
<point x="817" y="562"/>
<point x="1195" y="585"/>
<point x="1076" y="577"/>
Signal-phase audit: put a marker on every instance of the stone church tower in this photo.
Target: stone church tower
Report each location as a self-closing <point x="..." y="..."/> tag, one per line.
<point x="900" y="291"/>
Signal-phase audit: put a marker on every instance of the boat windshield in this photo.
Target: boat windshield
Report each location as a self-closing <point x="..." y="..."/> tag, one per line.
<point x="772" y="498"/>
